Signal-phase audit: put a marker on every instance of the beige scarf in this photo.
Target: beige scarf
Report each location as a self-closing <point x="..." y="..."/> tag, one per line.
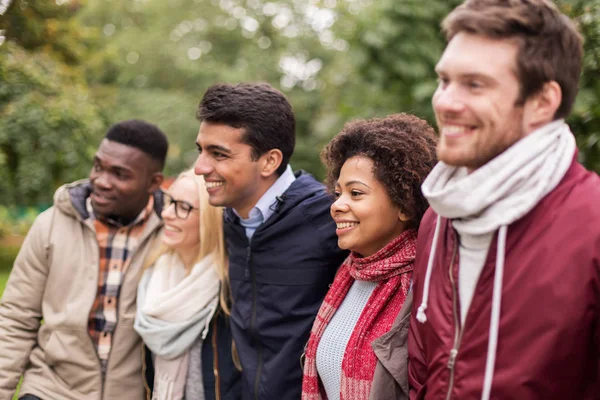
<point x="173" y="311"/>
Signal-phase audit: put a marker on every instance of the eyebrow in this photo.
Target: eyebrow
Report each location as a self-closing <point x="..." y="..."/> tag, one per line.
<point x="468" y="75"/>
<point x="354" y="182"/>
<point x="98" y="160"/>
<point x="214" y="147"/>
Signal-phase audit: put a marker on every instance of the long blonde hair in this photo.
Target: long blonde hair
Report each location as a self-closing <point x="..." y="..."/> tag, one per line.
<point x="211" y="239"/>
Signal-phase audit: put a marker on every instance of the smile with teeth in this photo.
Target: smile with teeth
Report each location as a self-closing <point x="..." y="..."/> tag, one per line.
<point x="213" y="184"/>
<point x="171" y="229"/>
<point x="455" y="130"/>
<point x="101" y="196"/>
<point x="343" y="225"/>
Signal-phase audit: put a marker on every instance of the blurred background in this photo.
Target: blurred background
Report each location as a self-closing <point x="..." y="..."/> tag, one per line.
<point x="71" y="68"/>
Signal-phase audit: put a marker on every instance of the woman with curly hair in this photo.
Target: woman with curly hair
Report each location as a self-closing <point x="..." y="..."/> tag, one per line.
<point x="375" y="169"/>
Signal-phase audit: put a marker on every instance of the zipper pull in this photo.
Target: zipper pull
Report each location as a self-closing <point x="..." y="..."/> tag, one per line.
<point x="248" y="257"/>
<point x="452" y="360"/>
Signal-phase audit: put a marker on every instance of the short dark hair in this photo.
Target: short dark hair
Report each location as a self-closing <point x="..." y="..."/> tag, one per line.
<point x="402" y="148"/>
<point x="261" y="110"/>
<point x="549" y="46"/>
<point x="142" y="135"/>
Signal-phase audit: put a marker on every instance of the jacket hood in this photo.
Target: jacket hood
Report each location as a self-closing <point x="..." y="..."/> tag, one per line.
<point x="304" y="186"/>
<point x="71" y="197"/>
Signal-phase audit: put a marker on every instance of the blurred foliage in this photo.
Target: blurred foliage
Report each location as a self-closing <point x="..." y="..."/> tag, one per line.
<point x="585" y="118"/>
<point x="163" y="56"/>
<point x="49" y="129"/>
<point x="396" y="44"/>
<point x="16" y="221"/>
<point x="70" y="68"/>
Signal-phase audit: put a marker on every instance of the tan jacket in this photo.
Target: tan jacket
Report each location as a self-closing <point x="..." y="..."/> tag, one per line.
<point x="55" y="278"/>
<point x="390" y="381"/>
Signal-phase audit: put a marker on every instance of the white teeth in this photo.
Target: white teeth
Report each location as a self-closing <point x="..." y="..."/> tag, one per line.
<point x="342" y="225"/>
<point x="454" y="130"/>
<point x="211" y="185"/>
<point x="171" y="229"/>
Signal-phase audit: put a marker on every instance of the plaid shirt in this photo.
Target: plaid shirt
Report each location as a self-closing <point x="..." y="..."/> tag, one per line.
<point x="115" y="243"/>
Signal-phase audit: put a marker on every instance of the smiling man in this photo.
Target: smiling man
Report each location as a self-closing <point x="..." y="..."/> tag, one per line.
<point x="281" y="240"/>
<point x="507" y="274"/>
<point x="78" y="271"/>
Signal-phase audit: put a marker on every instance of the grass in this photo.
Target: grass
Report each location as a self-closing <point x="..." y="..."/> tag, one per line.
<point x="7" y="257"/>
<point x="3" y="279"/>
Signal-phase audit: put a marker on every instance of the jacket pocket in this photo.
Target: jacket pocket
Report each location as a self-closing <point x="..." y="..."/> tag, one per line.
<point x="72" y="358"/>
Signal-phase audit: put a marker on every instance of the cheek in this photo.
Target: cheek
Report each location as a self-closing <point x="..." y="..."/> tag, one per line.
<point x="192" y="230"/>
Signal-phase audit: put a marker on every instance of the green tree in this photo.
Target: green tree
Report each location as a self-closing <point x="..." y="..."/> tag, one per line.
<point x="49" y="130"/>
<point x="585" y="118"/>
<point x="49" y="124"/>
<point x="158" y="58"/>
<point x="396" y="43"/>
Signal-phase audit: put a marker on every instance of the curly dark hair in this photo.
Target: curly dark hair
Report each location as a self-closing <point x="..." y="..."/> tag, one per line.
<point x="261" y="110"/>
<point x="142" y="135"/>
<point x="402" y="148"/>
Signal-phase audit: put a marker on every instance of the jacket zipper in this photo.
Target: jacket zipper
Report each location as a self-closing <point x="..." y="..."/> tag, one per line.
<point x="248" y="257"/>
<point x="216" y="361"/>
<point x="458" y="330"/>
<point x="95" y="350"/>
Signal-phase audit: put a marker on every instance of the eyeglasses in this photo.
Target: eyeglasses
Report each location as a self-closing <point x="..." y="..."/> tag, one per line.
<point x="182" y="208"/>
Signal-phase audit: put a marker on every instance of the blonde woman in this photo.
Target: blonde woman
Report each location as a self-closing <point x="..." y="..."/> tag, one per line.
<point x="182" y="301"/>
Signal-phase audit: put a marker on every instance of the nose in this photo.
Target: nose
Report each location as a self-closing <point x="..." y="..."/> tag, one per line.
<point x="447" y="99"/>
<point x="202" y="165"/>
<point x="339" y="206"/>
<point x="101" y="181"/>
<point x="168" y="212"/>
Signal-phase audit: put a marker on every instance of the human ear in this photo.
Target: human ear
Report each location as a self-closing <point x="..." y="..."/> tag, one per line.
<point x="270" y="161"/>
<point x="156" y="179"/>
<point x="403" y="217"/>
<point x="540" y="109"/>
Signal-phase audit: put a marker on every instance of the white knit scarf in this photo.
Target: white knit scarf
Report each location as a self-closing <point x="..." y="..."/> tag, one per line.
<point x="174" y="310"/>
<point x="494" y="196"/>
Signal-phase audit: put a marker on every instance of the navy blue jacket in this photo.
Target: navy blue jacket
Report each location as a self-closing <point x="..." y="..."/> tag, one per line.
<point x="278" y="281"/>
<point x="226" y="384"/>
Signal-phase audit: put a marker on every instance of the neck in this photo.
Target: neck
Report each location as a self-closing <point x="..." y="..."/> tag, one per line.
<point x="121" y="220"/>
<point x="188" y="256"/>
<point x="124" y="220"/>
<point x="244" y="210"/>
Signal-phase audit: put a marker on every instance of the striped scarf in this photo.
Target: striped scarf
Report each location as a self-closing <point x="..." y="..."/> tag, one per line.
<point x="392" y="267"/>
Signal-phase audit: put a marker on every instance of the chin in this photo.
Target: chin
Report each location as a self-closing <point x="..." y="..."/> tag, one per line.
<point x="216" y="202"/>
<point x="454" y="158"/>
<point x="342" y="246"/>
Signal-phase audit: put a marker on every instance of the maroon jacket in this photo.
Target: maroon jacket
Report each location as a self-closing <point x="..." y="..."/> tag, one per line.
<point x="549" y="333"/>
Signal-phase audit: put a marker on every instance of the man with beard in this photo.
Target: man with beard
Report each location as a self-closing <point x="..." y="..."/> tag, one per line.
<point x="507" y="275"/>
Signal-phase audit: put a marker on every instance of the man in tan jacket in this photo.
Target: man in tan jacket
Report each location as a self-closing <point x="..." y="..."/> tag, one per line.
<point x="66" y="316"/>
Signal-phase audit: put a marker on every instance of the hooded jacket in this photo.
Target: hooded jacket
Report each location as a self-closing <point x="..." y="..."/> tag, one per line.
<point x="549" y="325"/>
<point x="55" y="278"/>
<point x="278" y="281"/>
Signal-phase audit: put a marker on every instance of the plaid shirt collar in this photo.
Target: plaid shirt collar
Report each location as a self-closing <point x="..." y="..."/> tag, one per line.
<point x="140" y="219"/>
